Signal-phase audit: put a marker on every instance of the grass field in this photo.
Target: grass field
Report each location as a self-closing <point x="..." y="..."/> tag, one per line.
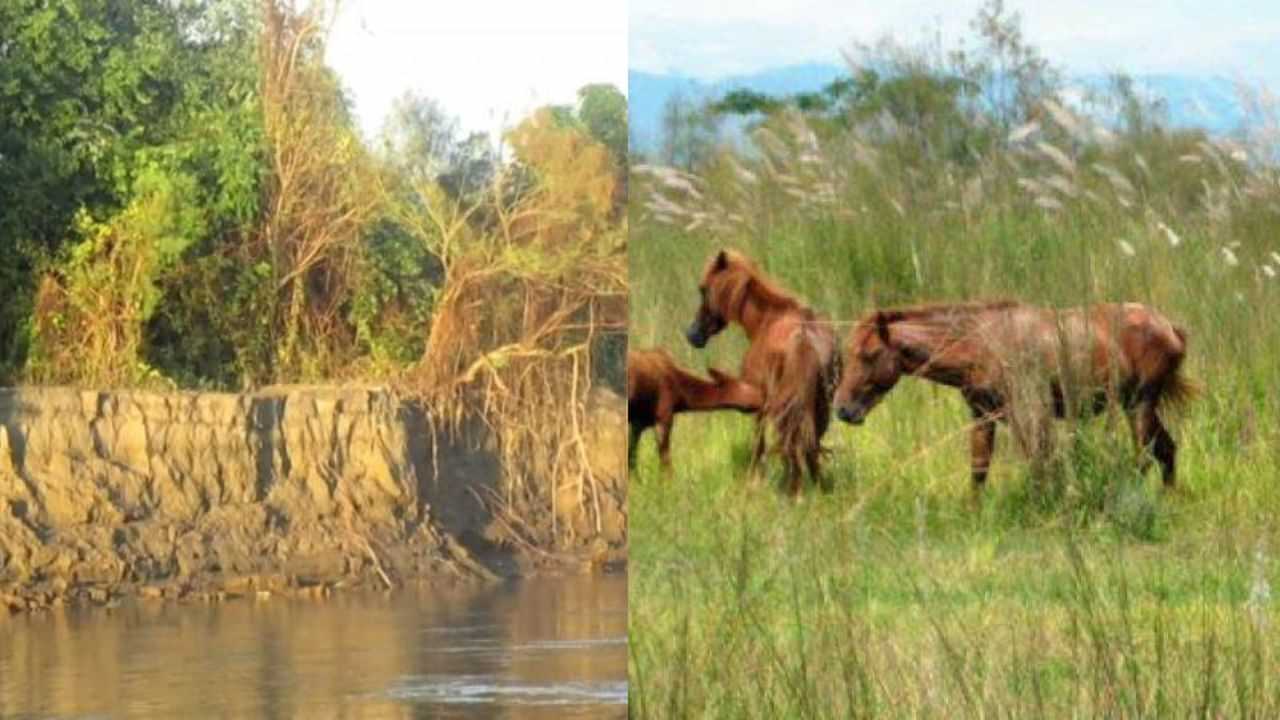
<point x="1089" y="593"/>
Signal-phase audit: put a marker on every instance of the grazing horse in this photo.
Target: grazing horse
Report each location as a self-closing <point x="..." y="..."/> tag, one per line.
<point x="658" y="388"/>
<point x="1087" y="356"/>
<point x="792" y="357"/>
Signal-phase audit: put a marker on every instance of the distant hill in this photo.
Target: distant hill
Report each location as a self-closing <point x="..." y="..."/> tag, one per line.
<point x="1210" y="102"/>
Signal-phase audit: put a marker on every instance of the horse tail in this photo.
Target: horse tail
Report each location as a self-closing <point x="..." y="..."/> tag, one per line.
<point x="795" y="398"/>
<point x="1177" y="388"/>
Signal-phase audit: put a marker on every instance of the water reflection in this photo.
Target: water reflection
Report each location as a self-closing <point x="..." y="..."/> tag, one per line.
<point x="548" y="648"/>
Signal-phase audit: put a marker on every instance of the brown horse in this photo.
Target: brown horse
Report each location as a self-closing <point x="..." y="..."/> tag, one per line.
<point x="658" y="388"/>
<point x="1087" y="356"/>
<point x="792" y="357"/>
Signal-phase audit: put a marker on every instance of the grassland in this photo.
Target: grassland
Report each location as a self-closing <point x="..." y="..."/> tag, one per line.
<point x="1087" y="593"/>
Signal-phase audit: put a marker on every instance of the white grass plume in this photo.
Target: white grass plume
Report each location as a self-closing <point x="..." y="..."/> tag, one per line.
<point x="1022" y="132"/>
<point x="1169" y="234"/>
<point x="1062" y="185"/>
<point x="1058" y="157"/>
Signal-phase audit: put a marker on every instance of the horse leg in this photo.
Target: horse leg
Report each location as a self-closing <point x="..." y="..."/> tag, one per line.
<point x="812" y="459"/>
<point x="1139" y="424"/>
<point x="982" y="437"/>
<point x="794" y="475"/>
<point x="1166" y="451"/>
<point x="814" y="455"/>
<point x="663" y="428"/>
<point x="982" y="442"/>
<point x="1153" y="438"/>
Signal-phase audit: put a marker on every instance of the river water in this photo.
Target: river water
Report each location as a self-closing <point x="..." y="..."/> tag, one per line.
<point x="542" y="648"/>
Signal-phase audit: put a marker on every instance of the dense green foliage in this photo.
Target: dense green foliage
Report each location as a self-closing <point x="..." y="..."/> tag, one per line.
<point x="185" y="198"/>
<point x="1076" y="590"/>
<point x="104" y="107"/>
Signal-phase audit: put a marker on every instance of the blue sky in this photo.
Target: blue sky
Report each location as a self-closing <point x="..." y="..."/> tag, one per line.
<point x="488" y="62"/>
<point x="709" y="39"/>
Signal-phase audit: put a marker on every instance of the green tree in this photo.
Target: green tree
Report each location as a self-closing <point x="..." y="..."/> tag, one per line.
<point x="742" y="101"/>
<point x="95" y="94"/>
<point x="602" y="109"/>
<point x="1012" y="74"/>
<point x="419" y="137"/>
<point x="421" y="142"/>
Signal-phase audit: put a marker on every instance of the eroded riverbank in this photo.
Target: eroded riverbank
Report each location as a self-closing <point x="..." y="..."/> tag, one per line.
<point x="296" y="491"/>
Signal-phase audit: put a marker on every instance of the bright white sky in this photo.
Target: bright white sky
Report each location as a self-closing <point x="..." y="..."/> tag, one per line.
<point x="488" y="62"/>
<point x="709" y="39"/>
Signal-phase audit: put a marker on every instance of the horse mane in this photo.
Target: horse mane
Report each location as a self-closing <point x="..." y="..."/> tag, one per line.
<point x="940" y="322"/>
<point x="933" y="311"/>
<point x="742" y="275"/>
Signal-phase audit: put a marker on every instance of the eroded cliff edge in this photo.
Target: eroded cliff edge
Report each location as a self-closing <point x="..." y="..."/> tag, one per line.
<point x="297" y="490"/>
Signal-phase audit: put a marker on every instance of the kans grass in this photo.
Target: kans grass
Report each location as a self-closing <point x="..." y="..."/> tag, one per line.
<point x="1082" y="592"/>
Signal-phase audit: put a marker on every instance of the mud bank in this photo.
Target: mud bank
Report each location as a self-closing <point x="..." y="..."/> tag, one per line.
<point x="105" y="495"/>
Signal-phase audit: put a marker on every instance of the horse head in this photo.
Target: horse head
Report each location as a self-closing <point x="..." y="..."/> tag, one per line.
<point x="872" y="366"/>
<point x="712" y="313"/>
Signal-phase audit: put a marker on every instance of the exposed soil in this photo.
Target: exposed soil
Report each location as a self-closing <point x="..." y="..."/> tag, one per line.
<point x="287" y="491"/>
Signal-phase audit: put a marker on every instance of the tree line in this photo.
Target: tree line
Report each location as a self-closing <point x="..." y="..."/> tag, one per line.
<point x="186" y="200"/>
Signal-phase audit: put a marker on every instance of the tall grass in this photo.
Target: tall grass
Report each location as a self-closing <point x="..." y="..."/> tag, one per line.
<point x="896" y="595"/>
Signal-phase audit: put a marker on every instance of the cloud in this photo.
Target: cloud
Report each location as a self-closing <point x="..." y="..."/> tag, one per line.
<point x="710" y="40"/>
<point x="759" y="35"/>
<point x="713" y="50"/>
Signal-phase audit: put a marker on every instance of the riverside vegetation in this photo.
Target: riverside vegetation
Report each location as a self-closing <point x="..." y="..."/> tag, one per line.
<point x="188" y="203"/>
<point x="1074" y="586"/>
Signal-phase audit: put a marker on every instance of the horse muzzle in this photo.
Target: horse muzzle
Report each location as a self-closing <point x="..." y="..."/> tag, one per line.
<point x="696" y="337"/>
<point x="851" y="415"/>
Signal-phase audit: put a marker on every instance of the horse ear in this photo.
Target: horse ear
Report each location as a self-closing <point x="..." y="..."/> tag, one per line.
<point x="722" y="261"/>
<point x="882" y="327"/>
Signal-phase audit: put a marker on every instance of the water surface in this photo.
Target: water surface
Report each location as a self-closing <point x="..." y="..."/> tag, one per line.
<point x="544" y="648"/>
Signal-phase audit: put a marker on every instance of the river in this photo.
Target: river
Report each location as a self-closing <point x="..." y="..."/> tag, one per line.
<point x="540" y="648"/>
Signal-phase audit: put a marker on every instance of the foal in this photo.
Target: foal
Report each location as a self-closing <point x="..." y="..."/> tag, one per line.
<point x="657" y="389"/>
<point x="1124" y="352"/>
<point x="792" y="357"/>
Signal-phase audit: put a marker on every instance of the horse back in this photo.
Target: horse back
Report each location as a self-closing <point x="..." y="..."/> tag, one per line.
<point x="1153" y="346"/>
<point x="647" y="374"/>
<point x="1130" y="342"/>
<point x="1097" y="344"/>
